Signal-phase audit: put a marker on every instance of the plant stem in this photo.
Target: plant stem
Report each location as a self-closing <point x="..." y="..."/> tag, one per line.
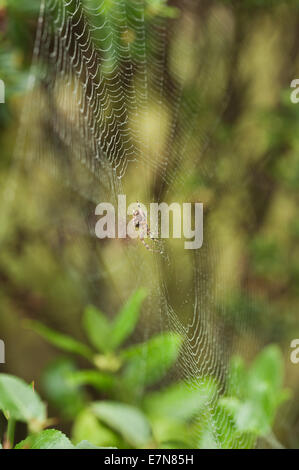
<point x="11" y="431"/>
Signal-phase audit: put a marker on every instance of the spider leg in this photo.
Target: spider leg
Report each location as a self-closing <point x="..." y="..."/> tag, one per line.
<point x="145" y="244"/>
<point x="144" y="231"/>
<point x="148" y="247"/>
<point x="150" y="234"/>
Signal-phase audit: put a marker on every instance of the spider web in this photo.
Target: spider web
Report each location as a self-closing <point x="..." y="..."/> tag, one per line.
<point x="126" y="96"/>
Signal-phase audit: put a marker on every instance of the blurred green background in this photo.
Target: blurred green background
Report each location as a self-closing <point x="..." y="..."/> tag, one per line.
<point x="247" y="178"/>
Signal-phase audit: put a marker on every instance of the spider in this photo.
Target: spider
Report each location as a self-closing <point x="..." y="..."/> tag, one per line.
<point x="140" y="222"/>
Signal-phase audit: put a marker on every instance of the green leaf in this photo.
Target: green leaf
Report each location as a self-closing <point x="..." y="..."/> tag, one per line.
<point x="127" y="420"/>
<point x="230" y="404"/>
<point x="97" y="328"/>
<point x="171" y="433"/>
<point x="60" y="391"/>
<point x="267" y="368"/>
<point x="20" y="401"/>
<point x="264" y="385"/>
<point x="88" y="427"/>
<point x="219" y="432"/>
<point x="249" y="416"/>
<point x="181" y="401"/>
<point x="255" y="404"/>
<point x="100" y="380"/>
<point x="88" y="445"/>
<point x="237" y="379"/>
<point x="125" y="322"/>
<point x="61" y="341"/>
<point x="106" y="336"/>
<point x="148" y="362"/>
<point x="49" y="439"/>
